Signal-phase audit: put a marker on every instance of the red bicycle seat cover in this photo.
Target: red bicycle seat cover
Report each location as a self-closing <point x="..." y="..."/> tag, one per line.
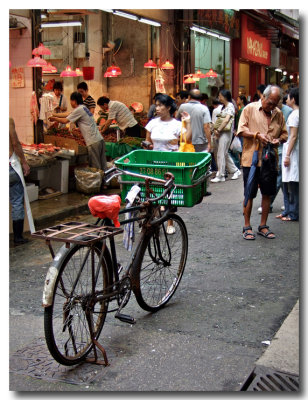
<point x="106" y="207"/>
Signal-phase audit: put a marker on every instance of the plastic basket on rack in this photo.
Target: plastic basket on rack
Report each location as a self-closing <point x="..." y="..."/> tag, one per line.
<point x="187" y="168"/>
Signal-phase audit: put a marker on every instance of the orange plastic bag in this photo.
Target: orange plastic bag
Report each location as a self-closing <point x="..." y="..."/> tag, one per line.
<point x="106" y="207"/>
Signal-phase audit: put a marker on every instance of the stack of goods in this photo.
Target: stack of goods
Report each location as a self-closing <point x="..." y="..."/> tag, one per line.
<point x="66" y="133"/>
<point x="41" y="154"/>
<point x="131" y="141"/>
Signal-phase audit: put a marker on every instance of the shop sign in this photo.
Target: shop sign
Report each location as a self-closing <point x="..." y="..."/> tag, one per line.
<point x="225" y="21"/>
<point x="255" y="47"/>
<point x="18" y="77"/>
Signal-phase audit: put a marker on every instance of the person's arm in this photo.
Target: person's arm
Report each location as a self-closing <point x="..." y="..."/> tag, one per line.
<point x="186" y="117"/>
<point x="106" y="125"/>
<point x="207" y="130"/>
<point x="61" y="115"/>
<point x="243" y="129"/>
<point x="292" y="140"/>
<point x="18" y="148"/>
<point x="59" y="119"/>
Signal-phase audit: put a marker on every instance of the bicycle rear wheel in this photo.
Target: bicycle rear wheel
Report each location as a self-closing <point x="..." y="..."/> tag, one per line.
<point x="66" y="326"/>
<point x="160" y="264"/>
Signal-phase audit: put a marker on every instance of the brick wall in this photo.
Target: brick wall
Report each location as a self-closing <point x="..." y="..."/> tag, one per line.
<point x="20" y="50"/>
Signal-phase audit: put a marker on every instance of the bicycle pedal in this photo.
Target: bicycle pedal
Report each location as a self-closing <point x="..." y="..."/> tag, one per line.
<point x="125" y="318"/>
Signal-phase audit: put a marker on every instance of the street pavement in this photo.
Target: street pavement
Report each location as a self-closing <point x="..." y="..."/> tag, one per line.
<point x="236" y="308"/>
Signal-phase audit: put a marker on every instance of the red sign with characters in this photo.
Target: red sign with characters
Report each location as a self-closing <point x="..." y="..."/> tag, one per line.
<point x="254" y="47"/>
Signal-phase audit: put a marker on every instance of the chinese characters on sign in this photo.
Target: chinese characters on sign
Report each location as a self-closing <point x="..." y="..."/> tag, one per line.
<point x="18" y="77"/>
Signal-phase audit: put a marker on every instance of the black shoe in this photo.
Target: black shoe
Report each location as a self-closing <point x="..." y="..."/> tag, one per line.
<point x="18" y="228"/>
<point x="208" y="194"/>
<point x="19" y="241"/>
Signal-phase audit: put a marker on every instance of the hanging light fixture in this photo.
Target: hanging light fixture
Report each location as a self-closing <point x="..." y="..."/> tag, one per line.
<point x="189" y="79"/>
<point x="112" y="71"/>
<point x="108" y="75"/>
<point x="36" y="62"/>
<point x="199" y="75"/>
<point x="49" y="69"/>
<point x="78" y="72"/>
<point x="150" y="64"/>
<point x="41" y="50"/>
<point x="167" y="65"/>
<point x="211" y="74"/>
<point x="68" y="72"/>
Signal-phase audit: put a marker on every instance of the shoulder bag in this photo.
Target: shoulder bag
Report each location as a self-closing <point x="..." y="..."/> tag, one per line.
<point x="219" y="120"/>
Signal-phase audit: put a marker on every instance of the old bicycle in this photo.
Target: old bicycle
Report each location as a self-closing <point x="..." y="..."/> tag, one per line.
<point x="85" y="280"/>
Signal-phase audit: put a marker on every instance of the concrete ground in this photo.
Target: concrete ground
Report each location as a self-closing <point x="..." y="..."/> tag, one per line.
<point x="282" y="352"/>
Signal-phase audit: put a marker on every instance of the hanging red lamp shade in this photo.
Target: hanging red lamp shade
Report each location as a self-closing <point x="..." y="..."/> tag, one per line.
<point x="211" y="74"/>
<point x="199" y="75"/>
<point x="114" y="70"/>
<point x="78" y="72"/>
<point x="41" y="50"/>
<point x="68" y="72"/>
<point x="150" y="64"/>
<point x="108" y="75"/>
<point x="49" y="69"/>
<point x="88" y="73"/>
<point x="167" y="65"/>
<point x="36" y="62"/>
<point x="189" y="79"/>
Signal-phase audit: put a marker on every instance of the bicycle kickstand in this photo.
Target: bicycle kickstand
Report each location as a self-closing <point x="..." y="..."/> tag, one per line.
<point x="96" y="344"/>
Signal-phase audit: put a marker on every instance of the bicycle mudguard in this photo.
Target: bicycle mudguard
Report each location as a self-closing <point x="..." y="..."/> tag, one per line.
<point x="53" y="272"/>
<point x="51" y="276"/>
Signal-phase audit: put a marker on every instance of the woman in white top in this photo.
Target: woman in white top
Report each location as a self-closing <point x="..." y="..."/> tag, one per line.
<point x="223" y="158"/>
<point x="290" y="161"/>
<point x="163" y="132"/>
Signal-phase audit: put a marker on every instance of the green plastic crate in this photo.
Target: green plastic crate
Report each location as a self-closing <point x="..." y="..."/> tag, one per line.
<point x="187" y="168"/>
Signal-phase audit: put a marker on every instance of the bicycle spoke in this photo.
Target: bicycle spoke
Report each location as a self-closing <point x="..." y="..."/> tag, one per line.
<point x="66" y="326"/>
<point x="163" y="262"/>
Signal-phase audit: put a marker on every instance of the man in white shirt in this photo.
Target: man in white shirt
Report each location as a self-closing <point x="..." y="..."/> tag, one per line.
<point x="119" y="112"/>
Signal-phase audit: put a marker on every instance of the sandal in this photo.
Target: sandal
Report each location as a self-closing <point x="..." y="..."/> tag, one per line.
<point x="246" y="234"/>
<point x="266" y="234"/>
<point x="280" y="216"/>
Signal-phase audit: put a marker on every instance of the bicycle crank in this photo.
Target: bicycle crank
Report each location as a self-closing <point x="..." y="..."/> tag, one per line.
<point x="124" y="296"/>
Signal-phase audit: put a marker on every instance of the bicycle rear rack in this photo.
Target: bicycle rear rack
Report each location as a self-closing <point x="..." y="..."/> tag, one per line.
<point x="76" y="233"/>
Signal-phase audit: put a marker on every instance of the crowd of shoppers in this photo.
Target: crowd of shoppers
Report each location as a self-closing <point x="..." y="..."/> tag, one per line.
<point x="269" y="118"/>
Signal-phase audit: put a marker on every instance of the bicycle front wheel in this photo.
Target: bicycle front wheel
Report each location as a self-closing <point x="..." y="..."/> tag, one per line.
<point x="160" y="264"/>
<point x="74" y="310"/>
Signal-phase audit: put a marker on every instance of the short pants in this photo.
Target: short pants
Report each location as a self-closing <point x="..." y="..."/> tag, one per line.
<point x="267" y="188"/>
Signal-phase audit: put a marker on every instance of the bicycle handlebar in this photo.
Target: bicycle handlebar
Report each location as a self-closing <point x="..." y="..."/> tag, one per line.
<point x="119" y="171"/>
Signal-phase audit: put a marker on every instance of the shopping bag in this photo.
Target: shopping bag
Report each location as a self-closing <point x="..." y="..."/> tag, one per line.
<point x="236" y="145"/>
<point x="184" y="146"/>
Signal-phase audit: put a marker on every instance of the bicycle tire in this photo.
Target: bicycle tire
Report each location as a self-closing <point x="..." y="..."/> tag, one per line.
<point x="66" y="328"/>
<point x="155" y="278"/>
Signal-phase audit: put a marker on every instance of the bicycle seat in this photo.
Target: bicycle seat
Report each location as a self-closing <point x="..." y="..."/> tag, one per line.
<point x="106" y="207"/>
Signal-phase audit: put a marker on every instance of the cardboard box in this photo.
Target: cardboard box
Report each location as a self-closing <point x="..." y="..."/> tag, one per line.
<point x="32" y="191"/>
<point x="67" y="143"/>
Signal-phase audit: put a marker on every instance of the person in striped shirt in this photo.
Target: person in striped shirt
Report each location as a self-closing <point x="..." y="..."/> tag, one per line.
<point x="88" y="100"/>
<point x="121" y="113"/>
